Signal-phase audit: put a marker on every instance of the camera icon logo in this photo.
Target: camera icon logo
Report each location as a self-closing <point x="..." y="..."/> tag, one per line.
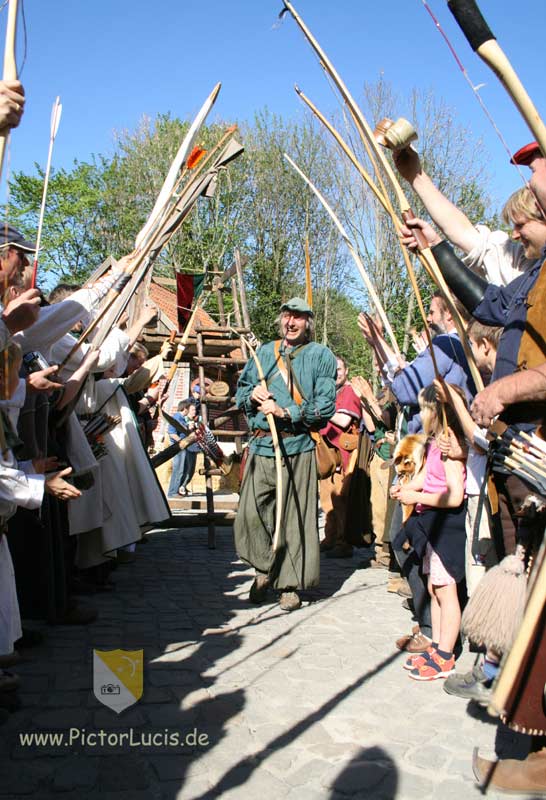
<point x="110" y="688"/>
<point x="118" y="677"/>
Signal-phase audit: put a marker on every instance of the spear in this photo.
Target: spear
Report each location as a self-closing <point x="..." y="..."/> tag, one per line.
<point x="54" y="127"/>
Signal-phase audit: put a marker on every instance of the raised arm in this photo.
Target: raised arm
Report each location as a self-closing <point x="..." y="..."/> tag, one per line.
<point x="455" y="225"/>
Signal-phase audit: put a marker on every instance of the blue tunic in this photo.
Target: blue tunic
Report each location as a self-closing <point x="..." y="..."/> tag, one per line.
<point x="452" y="366"/>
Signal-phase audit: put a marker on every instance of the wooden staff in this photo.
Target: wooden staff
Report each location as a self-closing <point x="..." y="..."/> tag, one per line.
<point x="9" y="74"/>
<point x="10" y="65"/>
<point x="517" y="660"/>
<point x="54" y="127"/>
<point x="484" y="43"/>
<point x="308" y="284"/>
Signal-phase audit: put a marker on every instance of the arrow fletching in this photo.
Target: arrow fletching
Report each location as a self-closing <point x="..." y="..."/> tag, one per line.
<point x="195" y="157"/>
<point x="56" y="112"/>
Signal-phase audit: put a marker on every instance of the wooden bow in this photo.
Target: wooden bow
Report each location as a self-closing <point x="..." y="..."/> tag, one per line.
<point x="358" y="261"/>
<point x="484" y="43"/>
<point x="380" y="163"/>
<point x="177" y="165"/>
<point x="159" y="235"/>
<point x="10" y="65"/>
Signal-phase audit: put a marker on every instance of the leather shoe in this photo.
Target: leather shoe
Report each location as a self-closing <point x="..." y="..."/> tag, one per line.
<point x="404" y="640"/>
<point x="326" y="545"/>
<point x="472" y="685"/>
<point x="289" y="601"/>
<point x="258" y="590"/>
<point x="418" y="643"/>
<point x="510" y="775"/>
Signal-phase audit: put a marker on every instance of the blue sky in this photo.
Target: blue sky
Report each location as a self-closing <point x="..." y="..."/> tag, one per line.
<point x="112" y="61"/>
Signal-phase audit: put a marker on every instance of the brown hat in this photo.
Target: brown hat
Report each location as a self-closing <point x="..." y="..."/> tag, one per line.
<point x="526" y="154"/>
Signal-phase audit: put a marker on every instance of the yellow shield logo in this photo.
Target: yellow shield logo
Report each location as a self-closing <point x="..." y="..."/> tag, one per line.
<point x="117" y="677"/>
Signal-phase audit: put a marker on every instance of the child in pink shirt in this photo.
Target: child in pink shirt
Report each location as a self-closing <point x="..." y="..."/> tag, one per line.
<point x="436" y="530"/>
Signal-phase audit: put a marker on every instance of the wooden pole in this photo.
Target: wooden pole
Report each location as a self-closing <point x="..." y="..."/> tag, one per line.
<point x="10" y="65"/>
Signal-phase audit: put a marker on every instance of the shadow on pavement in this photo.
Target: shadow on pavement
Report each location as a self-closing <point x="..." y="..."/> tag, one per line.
<point x="163" y="603"/>
<point x="240" y="772"/>
<point x="370" y="775"/>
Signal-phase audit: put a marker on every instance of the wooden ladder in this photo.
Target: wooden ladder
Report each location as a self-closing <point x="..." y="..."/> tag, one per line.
<point x="222" y="341"/>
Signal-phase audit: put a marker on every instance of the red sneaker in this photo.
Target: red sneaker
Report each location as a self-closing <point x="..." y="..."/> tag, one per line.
<point x="416" y="662"/>
<point x="435" y="667"/>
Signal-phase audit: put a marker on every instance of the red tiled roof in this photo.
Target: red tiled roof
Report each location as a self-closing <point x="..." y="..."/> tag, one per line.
<point x="166" y="302"/>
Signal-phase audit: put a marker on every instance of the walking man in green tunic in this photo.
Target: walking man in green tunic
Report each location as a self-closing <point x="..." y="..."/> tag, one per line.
<point x="301" y="394"/>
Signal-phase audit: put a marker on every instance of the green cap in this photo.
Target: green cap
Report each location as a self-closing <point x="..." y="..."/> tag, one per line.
<point x="297" y="304"/>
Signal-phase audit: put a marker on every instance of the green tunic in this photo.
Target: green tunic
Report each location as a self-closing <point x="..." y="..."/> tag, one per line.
<point x="314" y="367"/>
<point x="297" y="564"/>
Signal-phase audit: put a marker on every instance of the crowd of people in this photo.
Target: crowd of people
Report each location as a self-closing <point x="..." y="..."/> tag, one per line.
<point x="76" y="483"/>
<point x="411" y="466"/>
<point x="405" y="469"/>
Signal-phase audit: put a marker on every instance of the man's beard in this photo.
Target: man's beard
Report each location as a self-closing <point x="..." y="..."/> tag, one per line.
<point x="435" y="330"/>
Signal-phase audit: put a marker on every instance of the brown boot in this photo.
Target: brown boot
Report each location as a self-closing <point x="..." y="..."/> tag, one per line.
<point x="510" y="775"/>
<point x="289" y="600"/>
<point x="258" y="590"/>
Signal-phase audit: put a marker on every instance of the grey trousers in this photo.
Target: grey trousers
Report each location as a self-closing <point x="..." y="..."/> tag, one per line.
<point x="297" y="564"/>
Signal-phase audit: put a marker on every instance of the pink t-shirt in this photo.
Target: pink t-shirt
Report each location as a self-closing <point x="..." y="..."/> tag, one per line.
<point x="435" y="475"/>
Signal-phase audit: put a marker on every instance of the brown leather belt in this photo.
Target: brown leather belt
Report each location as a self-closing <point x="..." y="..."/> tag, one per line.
<point x="259" y="434"/>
